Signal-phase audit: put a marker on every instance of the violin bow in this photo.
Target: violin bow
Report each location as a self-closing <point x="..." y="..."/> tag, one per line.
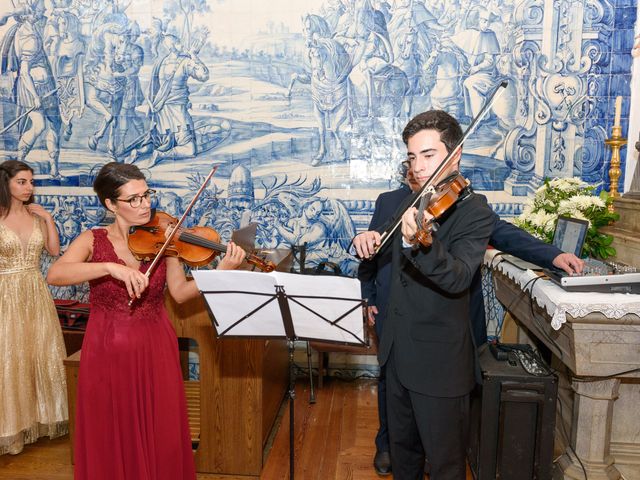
<point x="169" y="239"/>
<point x="175" y="229"/>
<point x="384" y="237"/>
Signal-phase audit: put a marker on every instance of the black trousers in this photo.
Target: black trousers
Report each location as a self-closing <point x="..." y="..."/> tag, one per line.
<point x="382" y="437"/>
<point x="421" y="425"/>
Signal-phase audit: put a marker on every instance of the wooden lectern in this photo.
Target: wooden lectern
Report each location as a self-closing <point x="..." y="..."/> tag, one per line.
<point x="242" y="384"/>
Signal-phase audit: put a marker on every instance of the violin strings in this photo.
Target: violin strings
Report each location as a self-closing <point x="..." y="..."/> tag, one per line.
<point x="203" y="242"/>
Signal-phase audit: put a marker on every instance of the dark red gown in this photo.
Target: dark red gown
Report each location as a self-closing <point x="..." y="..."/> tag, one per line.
<point x="131" y="419"/>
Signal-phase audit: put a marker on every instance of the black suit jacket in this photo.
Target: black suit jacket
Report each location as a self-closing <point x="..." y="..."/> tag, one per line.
<point x="375" y="274"/>
<point x="427" y="327"/>
<point x="515" y="241"/>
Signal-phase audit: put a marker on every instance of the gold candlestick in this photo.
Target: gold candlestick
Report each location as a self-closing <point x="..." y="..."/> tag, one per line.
<point x="616" y="142"/>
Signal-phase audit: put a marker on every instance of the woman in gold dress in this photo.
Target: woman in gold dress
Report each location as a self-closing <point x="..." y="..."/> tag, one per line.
<point x="33" y="399"/>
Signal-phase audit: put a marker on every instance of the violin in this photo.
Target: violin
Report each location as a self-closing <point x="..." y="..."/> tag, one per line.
<point x="195" y="246"/>
<point x="444" y="196"/>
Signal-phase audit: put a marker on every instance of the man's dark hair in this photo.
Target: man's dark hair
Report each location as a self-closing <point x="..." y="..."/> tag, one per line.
<point x="111" y="177"/>
<point x="439" y="120"/>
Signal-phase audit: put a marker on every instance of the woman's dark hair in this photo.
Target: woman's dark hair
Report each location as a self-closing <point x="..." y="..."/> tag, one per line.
<point x="8" y="170"/>
<point x="111" y="177"/>
<point x="439" y="120"/>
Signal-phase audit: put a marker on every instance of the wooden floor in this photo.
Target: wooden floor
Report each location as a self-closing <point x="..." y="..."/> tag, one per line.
<point x="334" y="439"/>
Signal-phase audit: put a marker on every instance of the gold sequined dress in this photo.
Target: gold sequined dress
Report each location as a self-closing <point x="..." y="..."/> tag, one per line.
<point x="33" y="393"/>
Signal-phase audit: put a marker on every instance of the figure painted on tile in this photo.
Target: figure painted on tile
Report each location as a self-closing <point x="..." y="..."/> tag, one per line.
<point x="343" y="20"/>
<point x="307" y="228"/>
<point x="331" y="13"/>
<point x="482" y="47"/>
<point x="156" y="33"/>
<point x="131" y="61"/>
<point x="324" y="226"/>
<point x="71" y="220"/>
<point x="170" y="202"/>
<point x="172" y="134"/>
<point x="411" y="15"/>
<point x="507" y="109"/>
<point x="374" y="82"/>
<point x="445" y="68"/>
<point x="69" y="71"/>
<point x="410" y="57"/>
<point x="105" y="81"/>
<point x="330" y="68"/>
<point x="327" y="69"/>
<point x="51" y="35"/>
<point x="34" y="87"/>
<point x="33" y="392"/>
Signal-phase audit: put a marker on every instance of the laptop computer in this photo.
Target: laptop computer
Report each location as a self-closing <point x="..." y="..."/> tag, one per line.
<point x="569" y="236"/>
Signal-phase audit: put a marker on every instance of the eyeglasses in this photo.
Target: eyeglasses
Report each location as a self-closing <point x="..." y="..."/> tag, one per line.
<point x="136" y="200"/>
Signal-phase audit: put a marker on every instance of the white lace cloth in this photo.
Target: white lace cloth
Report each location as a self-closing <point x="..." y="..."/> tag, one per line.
<point x="558" y="302"/>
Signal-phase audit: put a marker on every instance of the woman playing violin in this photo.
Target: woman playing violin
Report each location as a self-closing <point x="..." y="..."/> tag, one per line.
<point x="131" y="420"/>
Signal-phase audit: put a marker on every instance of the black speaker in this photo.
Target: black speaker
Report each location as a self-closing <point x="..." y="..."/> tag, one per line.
<point x="512" y="419"/>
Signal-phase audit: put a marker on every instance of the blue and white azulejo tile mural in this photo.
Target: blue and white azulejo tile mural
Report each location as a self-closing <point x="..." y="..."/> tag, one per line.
<point x="302" y="102"/>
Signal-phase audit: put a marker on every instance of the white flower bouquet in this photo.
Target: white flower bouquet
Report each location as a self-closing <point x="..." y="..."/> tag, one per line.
<point x="575" y="198"/>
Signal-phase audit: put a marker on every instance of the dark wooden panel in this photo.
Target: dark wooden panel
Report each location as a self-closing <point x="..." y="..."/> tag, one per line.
<point x="72" y="340"/>
<point x="275" y="372"/>
<point x="242" y="383"/>
<point x="72" y="368"/>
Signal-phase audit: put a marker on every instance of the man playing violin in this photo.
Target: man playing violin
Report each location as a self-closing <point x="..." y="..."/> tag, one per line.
<point x="375" y="280"/>
<point x="131" y="419"/>
<point x="375" y="276"/>
<point x="426" y="345"/>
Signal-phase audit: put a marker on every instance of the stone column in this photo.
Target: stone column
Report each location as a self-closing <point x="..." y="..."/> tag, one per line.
<point x="591" y="431"/>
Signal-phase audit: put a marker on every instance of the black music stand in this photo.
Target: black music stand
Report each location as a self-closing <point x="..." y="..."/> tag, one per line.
<point x="284" y="305"/>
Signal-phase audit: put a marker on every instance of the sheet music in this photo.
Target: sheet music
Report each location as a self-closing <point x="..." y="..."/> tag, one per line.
<point x="322" y="307"/>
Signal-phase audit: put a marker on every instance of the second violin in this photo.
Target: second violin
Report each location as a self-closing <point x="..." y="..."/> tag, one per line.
<point x="446" y="194"/>
<point x="196" y="246"/>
